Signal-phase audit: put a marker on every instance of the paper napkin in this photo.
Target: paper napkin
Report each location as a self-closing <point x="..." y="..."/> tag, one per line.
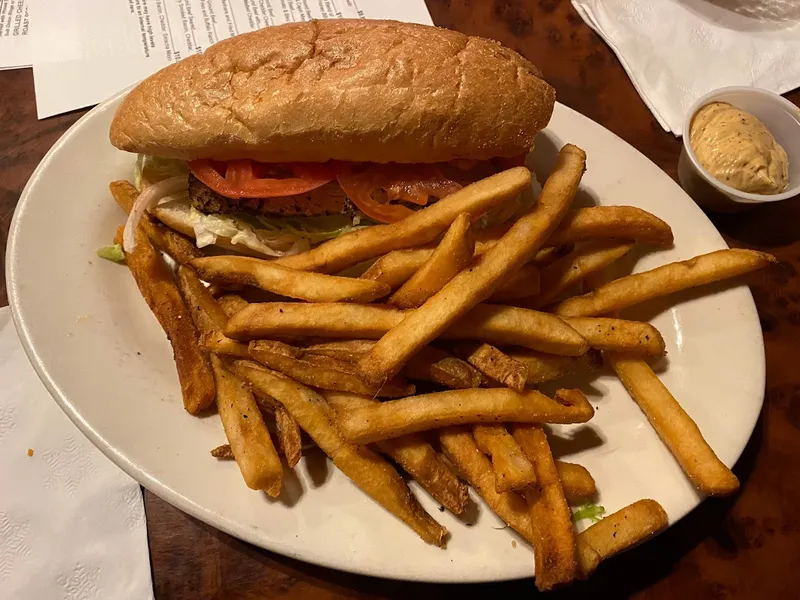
<point x="678" y="50"/>
<point x="71" y="523"/>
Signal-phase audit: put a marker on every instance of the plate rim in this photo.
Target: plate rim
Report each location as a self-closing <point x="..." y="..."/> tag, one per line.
<point x="211" y="517"/>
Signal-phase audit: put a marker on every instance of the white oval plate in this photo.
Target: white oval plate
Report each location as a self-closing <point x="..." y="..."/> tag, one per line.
<point x="106" y="361"/>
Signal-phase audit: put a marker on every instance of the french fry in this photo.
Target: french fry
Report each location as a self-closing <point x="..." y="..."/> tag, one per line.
<point x="459" y="447"/>
<point x="596" y="222"/>
<point x="436" y="365"/>
<point x="290" y="441"/>
<point x="667" y="279"/>
<point x="676" y="428"/>
<point x="553" y="534"/>
<point x="578" y="483"/>
<point x="620" y="531"/>
<point x="416" y="230"/>
<point x="246" y="432"/>
<point x="452" y="254"/>
<point x="157" y="285"/>
<point x="495" y="324"/>
<point x="415" y="455"/>
<point x="512" y="470"/>
<point x="429" y="364"/>
<point x="398" y="266"/>
<point x="208" y="316"/>
<point x="634" y="337"/>
<point x="541" y="367"/>
<point x="231" y="304"/>
<point x="621" y="222"/>
<point x="479" y="281"/>
<point x="522" y="284"/>
<point x="495" y="364"/>
<point x="440" y="409"/>
<point x="321" y="371"/>
<point x="266" y="275"/>
<point x="575" y="267"/>
<point x="365" y="468"/>
<point x="167" y="240"/>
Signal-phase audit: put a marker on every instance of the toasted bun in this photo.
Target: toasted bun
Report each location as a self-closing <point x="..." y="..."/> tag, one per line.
<point x="354" y="90"/>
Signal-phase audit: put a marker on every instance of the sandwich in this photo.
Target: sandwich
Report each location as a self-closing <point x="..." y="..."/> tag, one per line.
<point x="273" y="141"/>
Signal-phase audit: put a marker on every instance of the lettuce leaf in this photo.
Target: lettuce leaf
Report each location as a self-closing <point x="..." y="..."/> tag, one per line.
<point x="591" y="511"/>
<point x="152" y="169"/>
<point x="113" y="253"/>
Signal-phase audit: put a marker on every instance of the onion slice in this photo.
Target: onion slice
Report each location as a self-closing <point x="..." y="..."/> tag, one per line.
<point x="148" y="198"/>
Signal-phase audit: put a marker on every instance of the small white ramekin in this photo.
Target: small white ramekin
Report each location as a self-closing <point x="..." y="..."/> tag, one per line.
<point x="780" y="116"/>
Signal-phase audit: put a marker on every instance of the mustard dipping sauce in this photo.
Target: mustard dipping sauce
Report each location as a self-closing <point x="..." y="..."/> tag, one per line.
<point x="738" y="150"/>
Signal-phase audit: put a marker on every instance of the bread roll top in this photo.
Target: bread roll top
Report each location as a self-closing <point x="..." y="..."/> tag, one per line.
<point x="353" y="90"/>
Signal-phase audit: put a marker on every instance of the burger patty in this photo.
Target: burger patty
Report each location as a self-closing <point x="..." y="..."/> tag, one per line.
<point x="328" y="199"/>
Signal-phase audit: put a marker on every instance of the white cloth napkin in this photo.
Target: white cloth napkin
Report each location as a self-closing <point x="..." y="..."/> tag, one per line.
<point x="71" y="523"/>
<point x="677" y="50"/>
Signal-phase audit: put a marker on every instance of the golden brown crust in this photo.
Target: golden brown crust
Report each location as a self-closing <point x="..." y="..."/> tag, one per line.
<point x="378" y="91"/>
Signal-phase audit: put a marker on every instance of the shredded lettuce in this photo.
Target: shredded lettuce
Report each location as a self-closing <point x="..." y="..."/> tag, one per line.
<point x="152" y="169"/>
<point x="113" y="253"/>
<point x="591" y="511"/>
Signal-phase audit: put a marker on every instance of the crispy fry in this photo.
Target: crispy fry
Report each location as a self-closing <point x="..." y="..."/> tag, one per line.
<point x="208" y="316"/>
<point x="321" y="371"/>
<point x="440" y="409"/>
<point x="501" y="325"/>
<point x="429" y="364"/>
<point x="178" y="246"/>
<point x="522" y="284"/>
<point x="222" y="452"/>
<point x="398" y="266"/>
<point x="553" y="534"/>
<point x="479" y="281"/>
<point x="617" y="532"/>
<point x="667" y="279"/>
<point x="618" y="334"/>
<point x="365" y="468"/>
<point x="512" y="470"/>
<point x="420" y="228"/>
<point x="494" y="364"/>
<point x="676" y="428"/>
<point x="569" y="270"/>
<point x="541" y="367"/>
<point x="578" y="483"/>
<point x="266" y="275"/>
<point x="620" y="222"/>
<point x="158" y="288"/>
<point x="246" y="432"/>
<point x="452" y="254"/>
<point x="436" y="365"/>
<point x="232" y="303"/>
<point x="459" y="447"/>
<point x="415" y="455"/>
<point x="290" y="441"/>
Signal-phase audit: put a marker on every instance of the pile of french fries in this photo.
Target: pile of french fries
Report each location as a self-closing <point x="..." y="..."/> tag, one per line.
<point x="431" y="356"/>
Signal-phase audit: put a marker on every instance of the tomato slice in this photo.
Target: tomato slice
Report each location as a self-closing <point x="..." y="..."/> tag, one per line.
<point x="238" y="178"/>
<point x="374" y="189"/>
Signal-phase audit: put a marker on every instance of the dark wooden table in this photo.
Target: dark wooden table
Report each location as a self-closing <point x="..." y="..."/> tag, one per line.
<point x="744" y="547"/>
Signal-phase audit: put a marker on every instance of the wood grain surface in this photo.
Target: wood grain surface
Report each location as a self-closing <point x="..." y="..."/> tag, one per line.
<point x="744" y="547"/>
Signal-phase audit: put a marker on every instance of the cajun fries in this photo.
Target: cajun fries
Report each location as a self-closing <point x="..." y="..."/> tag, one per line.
<point x="494" y="405"/>
<point x="476" y="318"/>
<point x="448" y="260"/>
<point x="674" y="277"/>
<point x="477" y="282"/>
<point x="676" y="428"/>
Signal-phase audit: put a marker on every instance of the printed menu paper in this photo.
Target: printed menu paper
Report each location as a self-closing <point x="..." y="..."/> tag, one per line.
<point x="86" y="50"/>
<point x="14" y="39"/>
